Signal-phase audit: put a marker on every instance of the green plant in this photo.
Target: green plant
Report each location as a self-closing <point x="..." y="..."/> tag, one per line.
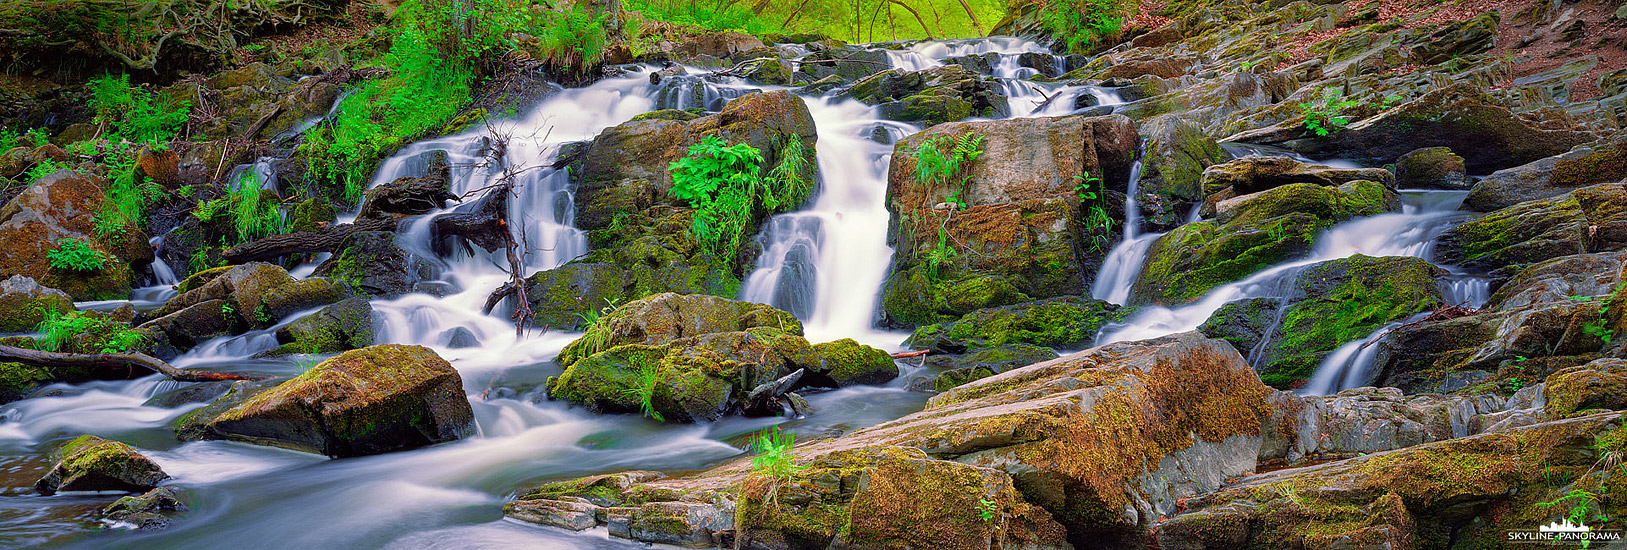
<point x="227" y="309"/>
<point x="643" y="389"/>
<point x="774" y="456"/>
<point x="787" y="186"/>
<point x="93" y="332"/>
<point x="1084" y="23"/>
<point x="591" y="316"/>
<point x="1096" y="221"/>
<point x="133" y="114"/>
<point x="945" y="160"/>
<point x="1324" y="113"/>
<point x="1578" y="505"/>
<point x="937" y="256"/>
<point x="574" y="41"/>
<point x="716" y="179"/>
<point x="74" y="255"/>
<point x="255" y="213"/>
<point x="987" y="509"/>
<point x="33" y="137"/>
<point x="263" y="315"/>
<point x="1600" y="327"/>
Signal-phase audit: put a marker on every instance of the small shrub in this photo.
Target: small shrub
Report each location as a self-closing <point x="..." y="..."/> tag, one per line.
<point x="574" y="41"/>
<point x="716" y="179"/>
<point x="74" y="255"/>
<point x="132" y="113"/>
<point x="102" y="334"/>
<point x="1084" y="23"/>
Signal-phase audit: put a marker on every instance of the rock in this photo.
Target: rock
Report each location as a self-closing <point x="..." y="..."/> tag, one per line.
<point x="1457" y="39"/>
<point x="1602" y="161"/>
<point x="773" y="72"/>
<point x="372" y="262"/>
<point x="368" y="401"/>
<point x="15" y="163"/>
<point x="197" y="323"/>
<point x="1557" y="280"/>
<point x="576" y="516"/>
<point x="1515" y="343"/>
<point x="190" y="426"/>
<point x="1368" y="420"/>
<point x="1589" y="219"/>
<point x="937" y="95"/>
<point x="1339" y="301"/>
<point x="410" y="196"/>
<point x="1253" y="174"/>
<point x="563" y="297"/>
<point x="1249" y="233"/>
<point x="960" y="369"/>
<point x="1243" y="323"/>
<point x="460" y="338"/>
<point x="311" y="215"/>
<point x="1459" y="117"/>
<point x="846" y="363"/>
<point x="665" y="318"/>
<point x="1478" y="488"/>
<point x="719" y="45"/>
<point x="1176" y="154"/>
<point x="1601" y="384"/>
<point x="147" y="512"/>
<point x="1022" y="235"/>
<point x="90" y="463"/>
<point x="1109" y="439"/>
<point x="63" y="205"/>
<point x="342" y="326"/>
<point x="1061" y="322"/>
<point x="23" y="302"/>
<point x="847" y="63"/>
<point x="1430" y="168"/>
<point x="260" y="293"/>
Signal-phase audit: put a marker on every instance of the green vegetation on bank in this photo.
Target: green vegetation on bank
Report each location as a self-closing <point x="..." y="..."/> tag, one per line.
<point x="860" y="21"/>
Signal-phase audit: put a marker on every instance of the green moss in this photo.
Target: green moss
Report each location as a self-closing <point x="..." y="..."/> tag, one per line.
<point x="848" y="362"/>
<point x="311" y="215"/>
<point x="1601" y="384"/>
<point x="670" y="114"/>
<point x="1054" y="322"/>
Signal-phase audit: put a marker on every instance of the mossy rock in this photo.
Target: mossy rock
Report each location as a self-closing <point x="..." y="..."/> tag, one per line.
<point x="63" y="205"/>
<point x="259" y="292"/>
<point x="1584" y="220"/>
<point x="367" y="401"/>
<point x="668" y="114"/>
<point x="666" y="317"/>
<point x="915" y="297"/>
<point x="311" y="215"/>
<point x="846" y="363"/>
<point x="983" y="363"/>
<point x="371" y="262"/>
<point x="1601" y="384"/>
<point x="148" y="511"/>
<point x="1062" y="322"/>
<point x="1342" y="300"/>
<point x="23" y="303"/>
<point x="90" y="463"/>
<point x="342" y="326"/>
<point x="566" y="297"/>
<point x="1243" y="323"/>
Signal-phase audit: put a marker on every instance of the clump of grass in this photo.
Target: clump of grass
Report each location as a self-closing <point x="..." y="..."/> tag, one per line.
<point x="643" y="389"/>
<point x="62" y="331"/>
<point x="774" y="455"/>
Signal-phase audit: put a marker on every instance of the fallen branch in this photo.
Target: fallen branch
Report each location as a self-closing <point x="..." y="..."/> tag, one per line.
<point x="51" y="359"/>
<point x="303" y="242"/>
<point x="904" y="354"/>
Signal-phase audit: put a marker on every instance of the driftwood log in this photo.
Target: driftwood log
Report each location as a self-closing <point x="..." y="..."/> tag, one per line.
<point x="51" y="359"/>
<point x="326" y="240"/>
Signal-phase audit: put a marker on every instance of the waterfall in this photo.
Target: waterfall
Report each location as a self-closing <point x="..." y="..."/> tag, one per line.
<point x="826" y="264"/>
<point x="1346" y="367"/>
<point x="1122" y="266"/>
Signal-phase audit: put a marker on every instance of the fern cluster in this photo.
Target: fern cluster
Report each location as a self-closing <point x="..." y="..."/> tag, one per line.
<point x="1084" y="23"/>
<point x="774" y="457"/>
<point x="575" y="41"/>
<point x="721" y="182"/>
<point x="945" y="160"/>
<point x="133" y="114"/>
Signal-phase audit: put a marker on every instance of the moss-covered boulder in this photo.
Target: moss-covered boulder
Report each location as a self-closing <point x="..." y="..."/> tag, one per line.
<point x="23" y="303"/>
<point x="1244" y="323"/>
<point x="372" y="262"/>
<point x="1250" y="233"/>
<point x="1467" y="492"/>
<point x="1254" y="174"/>
<point x="709" y="375"/>
<point x="260" y="293"/>
<point x="344" y="325"/>
<point x="1338" y="301"/>
<point x="1061" y="322"/>
<point x="90" y="463"/>
<point x="368" y="401"/>
<point x="1104" y="441"/>
<point x="1559" y="279"/>
<point x="931" y="96"/>
<point x="60" y="206"/>
<point x="1492" y="349"/>
<point x="196" y="324"/>
<point x="1589" y="219"/>
<point x="149" y="511"/>
<point x="1600" y="384"/>
<point x="1603" y="161"/>
<point x="664" y="318"/>
<point x="566" y="297"/>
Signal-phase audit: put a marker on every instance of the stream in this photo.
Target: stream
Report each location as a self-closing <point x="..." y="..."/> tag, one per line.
<point x="825" y="264"/>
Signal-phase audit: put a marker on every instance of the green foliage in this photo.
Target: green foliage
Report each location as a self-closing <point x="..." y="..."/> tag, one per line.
<point x="774" y="455"/>
<point x="1600" y="326"/>
<point x="1328" y="111"/>
<point x="937" y="256"/>
<point x="1579" y="506"/>
<point x="104" y="335"/>
<point x="126" y="199"/>
<point x="987" y="509"/>
<point x="228" y="309"/>
<point x="33" y="137"/>
<point x="255" y="213"/>
<point x="1096" y="221"/>
<point x="787" y="186"/>
<point x="74" y="255"/>
<point x="1083" y="24"/>
<point x="574" y="41"/>
<point x="717" y="180"/>
<point x="132" y="113"/>
<point x="944" y="160"/>
<point x="592" y="316"/>
<point x="644" y="389"/>
<point x="41" y="169"/>
<point x="721" y="17"/>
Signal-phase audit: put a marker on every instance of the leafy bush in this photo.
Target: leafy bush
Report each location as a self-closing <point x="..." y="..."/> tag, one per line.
<point x="85" y="332"/>
<point x="574" y="41"/>
<point x="716" y="179"/>
<point x="255" y="213"/>
<point x="74" y="255"/>
<point x="133" y="114"/>
<point x="1327" y="112"/>
<point x="33" y="137"/>
<point x="1084" y="23"/>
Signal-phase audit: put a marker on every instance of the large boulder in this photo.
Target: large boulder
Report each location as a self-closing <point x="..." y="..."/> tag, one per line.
<point x="1250" y="233"/>
<point x="1477" y="488"/>
<point x="1603" y="161"/>
<point x="1106" y="441"/>
<point x="1022" y="234"/>
<point x="667" y="317"/>
<point x="1253" y="174"/>
<point x="1177" y="153"/>
<point x="23" y="303"/>
<point x="1588" y="219"/>
<point x="372" y="262"/>
<point x="1368" y="420"/>
<point x="1600" y="384"/>
<point x="90" y="463"/>
<point x="946" y="93"/>
<point x="1431" y="168"/>
<point x="368" y="401"/>
<point x="64" y="205"/>
<point x="1061" y="322"/>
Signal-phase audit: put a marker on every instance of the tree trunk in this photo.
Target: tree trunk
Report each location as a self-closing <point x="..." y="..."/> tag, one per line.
<point x="51" y="359"/>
